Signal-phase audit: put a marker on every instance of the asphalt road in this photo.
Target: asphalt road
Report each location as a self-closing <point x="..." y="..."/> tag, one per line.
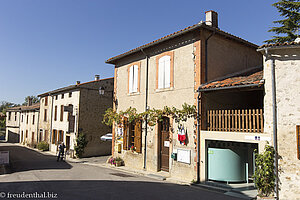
<point x="39" y="175"/>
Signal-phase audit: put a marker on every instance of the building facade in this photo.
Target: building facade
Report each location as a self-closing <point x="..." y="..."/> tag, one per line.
<point x="282" y="61"/>
<point x="168" y="72"/>
<point x="76" y="109"/>
<point x="13" y="124"/>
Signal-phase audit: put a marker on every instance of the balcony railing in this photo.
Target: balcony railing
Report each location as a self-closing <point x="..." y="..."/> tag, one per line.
<point x="246" y="120"/>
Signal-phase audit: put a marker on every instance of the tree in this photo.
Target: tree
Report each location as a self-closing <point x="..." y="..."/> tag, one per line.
<point x="34" y="100"/>
<point x="288" y="31"/>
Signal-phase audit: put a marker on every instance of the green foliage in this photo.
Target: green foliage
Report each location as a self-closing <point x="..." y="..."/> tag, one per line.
<point x="151" y="115"/>
<point x="264" y="176"/>
<point x="289" y="26"/>
<point x="44" y="146"/>
<point x="81" y="143"/>
<point x="34" y="100"/>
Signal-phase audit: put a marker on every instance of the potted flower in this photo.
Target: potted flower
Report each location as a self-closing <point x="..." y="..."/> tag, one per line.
<point x="132" y="148"/>
<point x="264" y="176"/>
<point x="118" y="162"/>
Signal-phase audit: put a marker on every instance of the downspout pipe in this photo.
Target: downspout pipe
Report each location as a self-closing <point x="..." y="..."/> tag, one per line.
<point x="146" y="109"/>
<point x="274" y="109"/>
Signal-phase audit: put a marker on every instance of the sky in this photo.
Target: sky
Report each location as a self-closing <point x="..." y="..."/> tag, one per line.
<point x="49" y="44"/>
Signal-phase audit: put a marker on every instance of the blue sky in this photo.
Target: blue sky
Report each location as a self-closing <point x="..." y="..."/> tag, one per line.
<point x="48" y="44"/>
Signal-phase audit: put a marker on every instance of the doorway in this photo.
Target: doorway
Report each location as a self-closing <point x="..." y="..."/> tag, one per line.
<point x="163" y="144"/>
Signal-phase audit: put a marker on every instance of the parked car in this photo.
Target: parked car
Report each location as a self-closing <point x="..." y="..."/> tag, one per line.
<point x="106" y="137"/>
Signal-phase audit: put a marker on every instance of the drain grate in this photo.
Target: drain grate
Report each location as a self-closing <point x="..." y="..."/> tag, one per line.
<point x="121" y="175"/>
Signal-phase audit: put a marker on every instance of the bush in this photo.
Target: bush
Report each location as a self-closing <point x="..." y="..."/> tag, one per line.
<point x="264" y="176"/>
<point x="81" y="143"/>
<point x="44" y="146"/>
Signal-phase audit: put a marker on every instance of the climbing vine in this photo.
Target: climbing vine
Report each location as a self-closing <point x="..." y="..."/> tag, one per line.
<point x="151" y="115"/>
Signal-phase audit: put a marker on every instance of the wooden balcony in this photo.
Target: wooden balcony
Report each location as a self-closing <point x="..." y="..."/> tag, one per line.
<point x="246" y="120"/>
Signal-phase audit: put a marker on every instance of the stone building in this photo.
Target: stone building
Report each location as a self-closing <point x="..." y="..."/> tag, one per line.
<point x="168" y="72"/>
<point x="13" y="124"/>
<point x="282" y="61"/>
<point x="69" y="111"/>
<point x="29" y="120"/>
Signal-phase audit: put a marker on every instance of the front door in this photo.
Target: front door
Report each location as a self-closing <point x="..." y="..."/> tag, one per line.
<point x="67" y="143"/>
<point x="164" y="143"/>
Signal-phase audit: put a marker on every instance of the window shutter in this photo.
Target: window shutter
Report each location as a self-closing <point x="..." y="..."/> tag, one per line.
<point x="135" y="78"/>
<point x="138" y="136"/>
<point x="161" y="73"/>
<point x="131" y="79"/>
<point x="298" y="141"/>
<point x="167" y="71"/>
<point x="125" y="134"/>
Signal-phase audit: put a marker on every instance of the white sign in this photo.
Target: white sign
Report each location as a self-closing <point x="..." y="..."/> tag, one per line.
<point x="184" y="156"/>
<point x="167" y="143"/>
<point x="258" y="138"/>
<point x="4" y="157"/>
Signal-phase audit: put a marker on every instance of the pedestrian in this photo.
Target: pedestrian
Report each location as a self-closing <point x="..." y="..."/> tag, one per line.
<point x="61" y="151"/>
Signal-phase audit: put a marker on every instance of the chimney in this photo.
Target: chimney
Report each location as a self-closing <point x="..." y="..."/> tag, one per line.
<point x="97" y="77"/>
<point x="77" y="82"/>
<point x="211" y="18"/>
<point x="29" y="101"/>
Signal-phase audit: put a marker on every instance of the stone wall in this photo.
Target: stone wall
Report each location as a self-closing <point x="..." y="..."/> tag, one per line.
<point x="287" y="62"/>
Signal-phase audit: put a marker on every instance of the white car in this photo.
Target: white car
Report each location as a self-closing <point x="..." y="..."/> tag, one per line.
<point x="106" y="137"/>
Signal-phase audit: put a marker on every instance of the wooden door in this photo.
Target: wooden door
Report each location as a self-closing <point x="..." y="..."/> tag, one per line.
<point x="163" y="133"/>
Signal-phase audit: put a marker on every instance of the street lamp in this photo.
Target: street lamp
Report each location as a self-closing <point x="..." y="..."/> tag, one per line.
<point x="101" y="91"/>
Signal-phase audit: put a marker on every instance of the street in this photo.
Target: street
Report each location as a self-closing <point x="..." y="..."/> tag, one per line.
<point x="36" y="173"/>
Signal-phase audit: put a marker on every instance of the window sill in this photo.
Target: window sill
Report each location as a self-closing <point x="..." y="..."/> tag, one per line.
<point x="164" y="89"/>
<point x="133" y="94"/>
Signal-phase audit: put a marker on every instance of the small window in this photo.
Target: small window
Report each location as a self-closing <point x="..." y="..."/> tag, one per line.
<point x="46" y="101"/>
<point x="22" y="118"/>
<point x="298" y="141"/>
<point x="133" y="78"/>
<point x="61" y="113"/>
<point x="70" y="94"/>
<point x="27" y="118"/>
<point x="33" y="117"/>
<point x="45" y="115"/>
<point x="15" y="116"/>
<point x="62" y="96"/>
<point x="9" y="115"/>
<point x="55" y="113"/>
<point x="54" y="137"/>
<point x="56" y="97"/>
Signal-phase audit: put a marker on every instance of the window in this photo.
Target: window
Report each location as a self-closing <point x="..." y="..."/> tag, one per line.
<point x="60" y="137"/>
<point x="55" y="113"/>
<point x="33" y="116"/>
<point x="298" y="141"/>
<point x="45" y="115"/>
<point x="46" y="135"/>
<point x="9" y="115"/>
<point x="56" y="97"/>
<point x="46" y="101"/>
<point x="27" y="118"/>
<point x="15" y="116"/>
<point x="70" y="94"/>
<point x="22" y="118"/>
<point x="133" y="81"/>
<point x="61" y="113"/>
<point x="132" y="135"/>
<point x="164" y="71"/>
<point x="26" y="134"/>
<point x="62" y="96"/>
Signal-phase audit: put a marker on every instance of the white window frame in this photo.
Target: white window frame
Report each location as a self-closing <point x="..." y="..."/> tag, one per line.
<point x="133" y="78"/>
<point x="164" y="72"/>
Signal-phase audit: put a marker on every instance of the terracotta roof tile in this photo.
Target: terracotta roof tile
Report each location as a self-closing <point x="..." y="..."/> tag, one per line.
<point x="254" y="78"/>
<point x="279" y="44"/>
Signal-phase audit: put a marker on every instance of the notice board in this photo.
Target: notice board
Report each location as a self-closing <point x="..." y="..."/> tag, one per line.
<point x="184" y="156"/>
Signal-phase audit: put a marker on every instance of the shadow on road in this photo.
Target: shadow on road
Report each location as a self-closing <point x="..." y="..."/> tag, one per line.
<point x="104" y="189"/>
<point x="24" y="159"/>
